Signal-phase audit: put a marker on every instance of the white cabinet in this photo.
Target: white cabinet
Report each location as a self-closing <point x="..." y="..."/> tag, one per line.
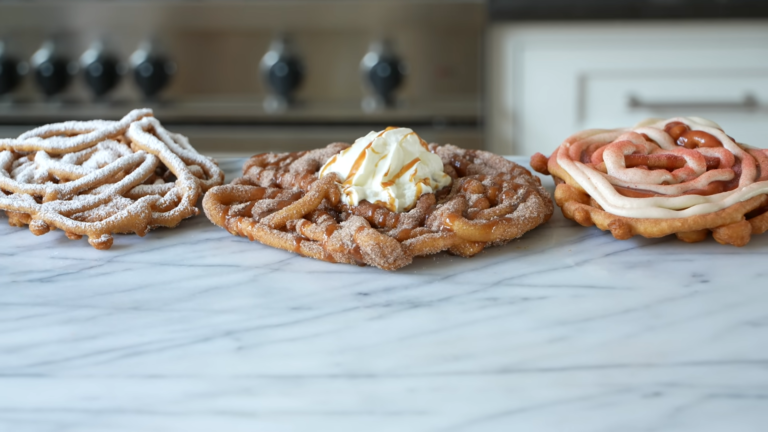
<point x="547" y="81"/>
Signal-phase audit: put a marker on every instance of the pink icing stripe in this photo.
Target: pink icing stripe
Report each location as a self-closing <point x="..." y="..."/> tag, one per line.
<point x="601" y="186"/>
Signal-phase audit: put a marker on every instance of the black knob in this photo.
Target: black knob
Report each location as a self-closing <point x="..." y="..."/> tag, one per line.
<point x="153" y="74"/>
<point x="52" y="75"/>
<point x="285" y="76"/>
<point x="383" y="73"/>
<point x="9" y="74"/>
<point x="385" y="76"/>
<point x="53" y="71"/>
<point x="282" y="72"/>
<point x="101" y="69"/>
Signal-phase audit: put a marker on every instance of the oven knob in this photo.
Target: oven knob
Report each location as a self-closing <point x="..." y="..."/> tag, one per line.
<point x="285" y="76"/>
<point x="11" y="71"/>
<point x="383" y="72"/>
<point x="53" y="72"/>
<point x="101" y="69"/>
<point x="151" y="69"/>
<point x="282" y="72"/>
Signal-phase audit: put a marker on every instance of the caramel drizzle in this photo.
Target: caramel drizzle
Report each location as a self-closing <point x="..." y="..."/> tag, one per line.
<point x="402" y="172"/>
<point x="416" y="171"/>
<point x="423" y="143"/>
<point x="390" y="205"/>
<point x="401" y="141"/>
<point x="448" y="222"/>
<point x="333" y="159"/>
<point x="356" y="166"/>
<point x="361" y="157"/>
<point x="377" y="164"/>
<point x="297" y="244"/>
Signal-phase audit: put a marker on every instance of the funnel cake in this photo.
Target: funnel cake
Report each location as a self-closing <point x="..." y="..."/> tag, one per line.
<point x="681" y="176"/>
<point x="282" y="202"/>
<point x="97" y="178"/>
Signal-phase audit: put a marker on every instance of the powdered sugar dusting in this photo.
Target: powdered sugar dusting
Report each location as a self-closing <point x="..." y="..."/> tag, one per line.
<point x="100" y="177"/>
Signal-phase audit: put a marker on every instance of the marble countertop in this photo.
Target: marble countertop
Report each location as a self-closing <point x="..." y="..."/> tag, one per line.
<point x="566" y="329"/>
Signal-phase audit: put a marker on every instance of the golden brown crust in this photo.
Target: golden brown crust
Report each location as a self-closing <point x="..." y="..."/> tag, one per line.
<point x="729" y="225"/>
<point x="280" y="202"/>
<point x="539" y="163"/>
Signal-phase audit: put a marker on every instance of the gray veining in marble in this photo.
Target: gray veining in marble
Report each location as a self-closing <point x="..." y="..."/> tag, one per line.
<point x="566" y="329"/>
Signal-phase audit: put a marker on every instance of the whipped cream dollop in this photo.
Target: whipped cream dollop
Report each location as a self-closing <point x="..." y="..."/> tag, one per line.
<point x="392" y="168"/>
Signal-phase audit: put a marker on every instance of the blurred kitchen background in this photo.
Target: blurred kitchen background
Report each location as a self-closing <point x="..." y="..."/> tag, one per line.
<point x="511" y="76"/>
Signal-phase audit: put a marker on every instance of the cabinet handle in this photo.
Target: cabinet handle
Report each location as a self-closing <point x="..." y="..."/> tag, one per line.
<point x="749" y="102"/>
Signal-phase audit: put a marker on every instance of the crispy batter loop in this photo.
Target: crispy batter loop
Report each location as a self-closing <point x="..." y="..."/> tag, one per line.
<point x="100" y="177"/>
<point x="280" y="202"/>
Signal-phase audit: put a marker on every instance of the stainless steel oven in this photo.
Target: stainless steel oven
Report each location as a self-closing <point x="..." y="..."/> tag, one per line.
<point x="248" y="76"/>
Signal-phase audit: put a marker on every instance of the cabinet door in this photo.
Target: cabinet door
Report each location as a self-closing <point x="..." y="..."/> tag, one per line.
<point x="551" y="81"/>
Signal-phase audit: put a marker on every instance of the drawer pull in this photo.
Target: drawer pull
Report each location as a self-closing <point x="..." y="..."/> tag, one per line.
<point x="749" y="102"/>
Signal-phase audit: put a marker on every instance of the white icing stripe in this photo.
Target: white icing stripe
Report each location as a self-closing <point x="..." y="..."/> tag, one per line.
<point x="600" y="186"/>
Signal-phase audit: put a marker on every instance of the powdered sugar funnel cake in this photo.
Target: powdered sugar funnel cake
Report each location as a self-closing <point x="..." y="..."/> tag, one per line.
<point x="97" y="178"/>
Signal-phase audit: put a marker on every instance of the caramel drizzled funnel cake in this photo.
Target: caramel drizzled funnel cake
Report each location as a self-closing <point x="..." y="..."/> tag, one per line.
<point x="282" y="202"/>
